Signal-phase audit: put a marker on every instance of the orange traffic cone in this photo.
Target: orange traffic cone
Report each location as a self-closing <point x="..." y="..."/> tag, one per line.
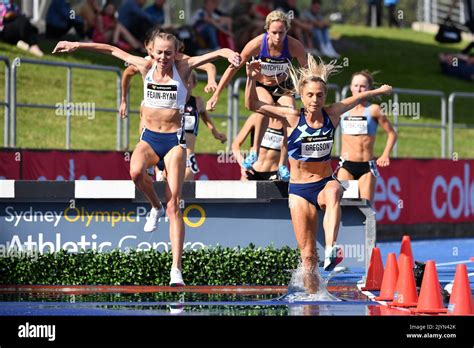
<point x="405" y="291"/>
<point x="430" y="300"/>
<point x="406" y="249"/>
<point x="460" y="302"/>
<point x="375" y="272"/>
<point x="390" y="277"/>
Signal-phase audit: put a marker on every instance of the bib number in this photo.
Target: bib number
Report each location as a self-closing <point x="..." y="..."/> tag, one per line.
<point x="189" y="122"/>
<point x="272" y="140"/>
<point x="355" y="125"/>
<point x="161" y="96"/>
<point x="316" y="146"/>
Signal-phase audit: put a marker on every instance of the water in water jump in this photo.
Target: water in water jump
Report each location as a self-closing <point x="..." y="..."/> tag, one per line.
<point x="308" y="286"/>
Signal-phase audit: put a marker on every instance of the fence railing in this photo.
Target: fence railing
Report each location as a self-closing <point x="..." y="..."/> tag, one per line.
<point x="6" y="102"/>
<point x="232" y="117"/>
<point x="451" y="124"/>
<point x="18" y="62"/>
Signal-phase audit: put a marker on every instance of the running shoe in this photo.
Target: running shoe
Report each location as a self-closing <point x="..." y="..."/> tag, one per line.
<point x="152" y="220"/>
<point x="250" y="160"/>
<point x="333" y="257"/>
<point x="176" y="277"/>
<point x="284" y="173"/>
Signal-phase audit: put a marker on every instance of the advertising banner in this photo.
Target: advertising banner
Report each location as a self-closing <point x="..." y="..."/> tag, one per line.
<point x="409" y="191"/>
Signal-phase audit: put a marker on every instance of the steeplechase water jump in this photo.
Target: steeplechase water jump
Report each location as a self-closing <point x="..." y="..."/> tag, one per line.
<point x="336" y="205"/>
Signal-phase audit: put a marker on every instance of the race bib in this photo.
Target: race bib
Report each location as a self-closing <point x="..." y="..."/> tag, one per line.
<point x="272" y="139"/>
<point x="189" y="122"/>
<point x="355" y="125"/>
<point x="316" y="146"/>
<point x="272" y="67"/>
<point x="161" y="96"/>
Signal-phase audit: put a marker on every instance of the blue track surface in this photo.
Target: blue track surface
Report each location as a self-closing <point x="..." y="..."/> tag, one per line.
<point x="441" y="251"/>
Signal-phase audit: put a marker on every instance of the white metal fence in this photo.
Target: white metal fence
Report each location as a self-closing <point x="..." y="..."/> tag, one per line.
<point x="232" y="116"/>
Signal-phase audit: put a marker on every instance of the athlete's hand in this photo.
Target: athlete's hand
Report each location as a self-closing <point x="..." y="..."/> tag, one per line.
<point x="66" y="47"/>
<point x="210" y="87"/>
<point x="243" y="173"/>
<point x="383" y="161"/>
<point x="123" y="109"/>
<point x="253" y="69"/>
<point x="219" y="136"/>
<point x="385" y="89"/>
<point x="235" y="59"/>
<point x="212" y="102"/>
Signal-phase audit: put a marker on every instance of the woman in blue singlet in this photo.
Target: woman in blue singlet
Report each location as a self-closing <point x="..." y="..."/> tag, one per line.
<point x="275" y="49"/>
<point x="310" y="139"/>
<point x="359" y="129"/>
<point x="164" y="94"/>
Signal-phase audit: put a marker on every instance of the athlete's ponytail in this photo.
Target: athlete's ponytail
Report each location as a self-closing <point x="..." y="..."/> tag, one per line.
<point x="315" y="72"/>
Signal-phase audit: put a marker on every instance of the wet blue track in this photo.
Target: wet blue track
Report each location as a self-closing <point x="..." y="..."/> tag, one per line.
<point x="341" y="285"/>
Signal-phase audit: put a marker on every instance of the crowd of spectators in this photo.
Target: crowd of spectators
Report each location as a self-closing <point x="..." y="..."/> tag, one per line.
<point x="210" y="27"/>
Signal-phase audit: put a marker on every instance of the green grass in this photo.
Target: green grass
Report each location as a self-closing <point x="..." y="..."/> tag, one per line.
<point x="404" y="59"/>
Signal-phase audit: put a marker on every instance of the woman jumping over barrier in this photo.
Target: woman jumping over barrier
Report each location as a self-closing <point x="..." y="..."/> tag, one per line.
<point x="131" y="71"/>
<point x="164" y="94"/>
<point x="310" y="139"/>
<point x="359" y="129"/>
<point x="275" y="49"/>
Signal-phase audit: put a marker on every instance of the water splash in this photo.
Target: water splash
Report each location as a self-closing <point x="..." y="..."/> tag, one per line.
<point x="308" y="286"/>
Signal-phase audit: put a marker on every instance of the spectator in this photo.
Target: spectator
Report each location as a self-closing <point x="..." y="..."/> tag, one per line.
<point x="89" y="11"/>
<point x="213" y="26"/>
<point x="262" y="9"/>
<point x="469" y="15"/>
<point x="469" y="9"/>
<point x="109" y="30"/>
<point x="320" y="29"/>
<point x="60" y="19"/>
<point x="157" y="12"/>
<point x="16" y="29"/>
<point x="137" y="21"/>
<point x="246" y="24"/>
<point x="374" y="8"/>
<point x="392" y="9"/>
<point x="299" y="28"/>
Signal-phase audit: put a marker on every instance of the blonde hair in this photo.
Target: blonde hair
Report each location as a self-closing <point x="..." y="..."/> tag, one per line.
<point x="315" y="72"/>
<point x="166" y="37"/>
<point x="277" y="16"/>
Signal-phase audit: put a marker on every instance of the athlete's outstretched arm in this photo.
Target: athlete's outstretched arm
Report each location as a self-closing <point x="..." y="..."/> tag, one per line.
<point x="69" y="46"/>
<point x="126" y="78"/>
<point x="231" y="56"/>
<point x="208" y="121"/>
<point x="384" y="159"/>
<point x="241" y="136"/>
<point x="250" y="49"/>
<point x="339" y="108"/>
<point x="254" y="104"/>
<point x="210" y="70"/>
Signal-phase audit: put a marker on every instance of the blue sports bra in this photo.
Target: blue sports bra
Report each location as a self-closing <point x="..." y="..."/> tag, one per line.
<point x="311" y="144"/>
<point x="274" y="66"/>
<point x="359" y="125"/>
